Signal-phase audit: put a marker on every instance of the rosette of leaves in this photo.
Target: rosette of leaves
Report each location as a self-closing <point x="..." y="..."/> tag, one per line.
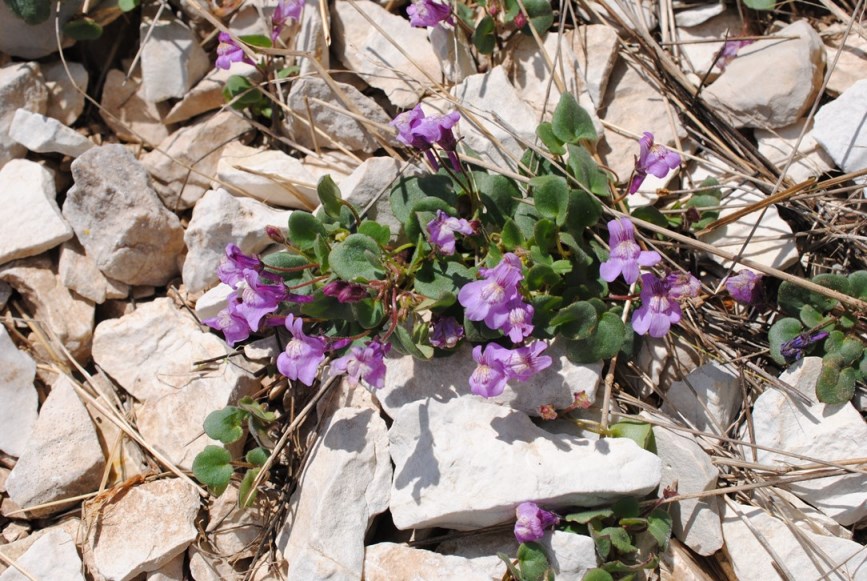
<point x="844" y="361"/>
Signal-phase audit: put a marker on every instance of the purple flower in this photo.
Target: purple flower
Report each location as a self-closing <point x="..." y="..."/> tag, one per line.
<point x="745" y="287"/>
<point x="300" y="361"/>
<point x="441" y="231"/>
<point x="794" y="348"/>
<point x="428" y="13"/>
<point x="445" y="333"/>
<point x="532" y="522"/>
<point x="345" y="292"/>
<point x="258" y="298"/>
<point x="232" y="324"/>
<point x="485" y="299"/>
<point x="363" y="363"/>
<point x="229" y="51"/>
<point x="729" y="51"/>
<point x="682" y="285"/>
<point x="420" y="132"/>
<point x="525" y="362"/>
<point x="489" y="377"/>
<point x="233" y="265"/>
<point x="658" y="310"/>
<point x="626" y="256"/>
<point x="405" y="123"/>
<point x="286" y="10"/>
<point x="515" y="320"/>
<point x="655" y="160"/>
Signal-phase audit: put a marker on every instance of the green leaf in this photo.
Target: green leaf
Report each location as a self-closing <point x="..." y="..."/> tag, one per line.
<point x="404" y="343"/>
<point x="329" y="308"/>
<point x="83" y="29"/>
<point x="31" y="11"/>
<point x="597" y="575"/>
<point x="551" y="195"/>
<point x="226" y="425"/>
<point x="321" y="249"/>
<point x="586" y="516"/>
<point x="279" y="262"/>
<point x="485" y="35"/>
<point x="329" y="196"/>
<point x="128" y="5"/>
<point x="532" y="562"/>
<point x="241" y="91"/>
<point x="585" y="170"/>
<point x="408" y="191"/>
<point x="639" y="432"/>
<point x="545" y="132"/>
<point x="254" y="408"/>
<point x="499" y="195"/>
<point x="659" y="525"/>
<point x="368" y="313"/>
<point x="478" y="332"/>
<point x="258" y="40"/>
<point x="811" y="317"/>
<point x="783" y="330"/>
<point x="440" y="277"/>
<point x="246" y="492"/>
<point x="545" y="235"/>
<point x="577" y="321"/>
<point x="257" y="456"/>
<point x="571" y="123"/>
<point x="511" y="235"/>
<point x="619" y="539"/>
<point x="212" y="467"/>
<point x="511" y="567"/>
<point x="848" y="348"/>
<point x="627" y="507"/>
<point x="602" y="344"/>
<point x="304" y="227"/>
<point x="760" y="4"/>
<point x="835" y="386"/>
<point x="526" y="217"/>
<point x="541" y="275"/>
<point x="423" y="211"/>
<point x="650" y="214"/>
<point x="539" y="15"/>
<point x="375" y="230"/>
<point x="858" y="284"/>
<point x="356" y="259"/>
<point x="582" y="211"/>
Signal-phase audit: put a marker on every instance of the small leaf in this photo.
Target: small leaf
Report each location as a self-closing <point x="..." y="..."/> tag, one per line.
<point x="783" y="330"/>
<point x="541" y="275"/>
<point x="539" y="15"/>
<point x="511" y="235"/>
<point x="545" y="235"/>
<point x="408" y="191"/>
<point x="226" y="425"/>
<point x="545" y="132"/>
<point x="639" y="432"/>
<point x="571" y="123"/>
<point x="438" y="278"/>
<point x="256" y="409"/>
<point x="404" y="343"/>
<point x="128" y="5"/>
<point x="760" y="4"/>
<point x="585" y="169"/>
<point x="31" y="11"/>
<point x="485" y="35"/>
<point x="329" y="196"/>
<point x="650" y="214"/>
<point x="605" y="341"/>
<point x="259" y="40"/>
<point x="835" y="386"/>
<point x="304" y="227"/>
<point x="586" y="516"/>
<point x="659" y="525"/>
<point x="368" y="313"/>
<point x="212" y="467"/>
<point x="619" y="539"/>
<point x="582" y="211"/>
<point x="597" y="575"/>
<point x="509" y="565"/>
<point x="858" y="284"/>
<point x="626" y="507"/>
<point x="279" y="262"/>
<point x="532" y="562"/>
<point x="499" y="194"/>
<point x="551" y="195"/>
<point x="242" y="93"/>
<point x="421" y="214"/>
<point x="257" y="456"/>
<point x="83" y="29"/>
<point x="375" y="230"/>
<point x="577" y="321"/>
<point x="356" y="259"/>
<point x="246" y="492"/>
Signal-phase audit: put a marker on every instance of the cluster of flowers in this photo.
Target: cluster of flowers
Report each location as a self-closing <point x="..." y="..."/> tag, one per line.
<point x="229" y="51"/>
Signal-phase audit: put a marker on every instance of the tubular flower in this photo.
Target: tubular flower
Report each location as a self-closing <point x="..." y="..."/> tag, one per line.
<point x="230" y="322"/>
<point x="259" y="299"/>
<point x="429" y="13"/>
<point x="525" y="362"/>
<point x="303" y="354"/>
<point x="418" y="131"/>
<point x="364" y="363"/>
<point x="794" y="348"/>
<point x="489" y="377"/>
<point x="286" y="10"/>
<point x="516" y="319"/>
<point x="229" y="51"/>
<point x="532" y="522"/>
<point x="654" y="159"/>
<point x="441" y="231"/>
<point x="682" y="285"/>
<point x="345" y="292"/>
<point x="626" y="256"/>
<point x="729" y="51"/>
<point x="658" y="310"/>
<point x="233" y="265"/>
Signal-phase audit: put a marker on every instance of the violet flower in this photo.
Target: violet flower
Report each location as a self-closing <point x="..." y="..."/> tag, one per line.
<point x="625" y="256"/>
<point x="345" y="292"/>
<point x="515" y="320"/>
<point x="303" y="354"/>
<point x="363" y="363"/>
<point x="233" y="265"/>
<point x="653" y="159"/>
<point x="418" y="131"/>
<point x="286" y="10"/>
<point x="794" y="348"/>
<point x="745" y="287"/>
<point x="445" y="333"/>
<point x="484" y="300"/>
<point x="525" y="362"/>
<point x="532" y="522"/>
<point x="229" y="51"/>
<point x="730" y="50"/>
<point x="441" y="231"/>
<point x="428" y="13"/>
<point x="230" y="322"/>
<point x="489" y="378"/>
<point x="658" y="310"/>
<point x="682" y="285"/>
<point x="259" y="298"/>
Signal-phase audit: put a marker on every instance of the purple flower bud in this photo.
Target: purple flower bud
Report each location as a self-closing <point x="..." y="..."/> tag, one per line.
<point x="682" y="285"/>
<point x="364" y="363"/>
<point x="532" y="522"/>
<point x="345" y="292"/>
<point x="303" y="354"/>
<point x="229" y="51"/>
<point x="489" y="377"/>
<point x="445" y="333"/>
<point x="233" y="265"/>
<point x="794" y="348"/>
<point x="520" y="20"/>
<point x="441" y="231"/>
<point x="525" y="362"/>
<point x="626" y="256"/>
<point x="658" y="310"/>
<point x="428" y="13"/>
<point x="275" y="234"/>
<point x="230" y="322"/>
<point x="656" y="160"/>
<point x="745" y="287"/>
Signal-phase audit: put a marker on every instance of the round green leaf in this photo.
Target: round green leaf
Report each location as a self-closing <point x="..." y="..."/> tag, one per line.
<point x="577" y="321"/>
<point x="551" y="196"/>
<point x="257" y="456"/>
<point x="31" y="11"/>
<point x="329" y="196"/>
<point x="356" y="259"/>
<point x="375" y="230"/>
<point x="545" y="132"/>
<point x="858" y="284"/>
<point x="128" y="5"/>
<point x="659" y="525"/>
<point x="539" y="15"/>
<point x="304" y="227"/>
<point x="422" y="212"/>
<point x="571" y="123"/>
<point x="83" y="29"/>
<point x="639" y="432"/>
<point x="436" y="279"/>
<point x="226" y="425"/>
<point x="408" y="191"/>
<point x="783" y="330"/>
<point x="532" y="562"/>
<point x="258" y="40"/>
<point x="511" y="235"/>
<point x="835" y="386"/>
<point x="281" y="262"/>
<point x="605" y="341"/>
<point x="597" y="575"/>
<point x="246" y="492"/>
<point x="485" y="35"/>
<point x="212" y="467"/>
<point x="499" y="195"/>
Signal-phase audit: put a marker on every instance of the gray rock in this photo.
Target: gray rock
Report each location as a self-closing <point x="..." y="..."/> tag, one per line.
<point x="128" y="114"/>
<point x="18" y="412"/>
<point x="65" y="90"/>
<point x="442" y="481"/>
<point x="311" y="38"/>
<point x="369" y="187"/>
<point x="53" y="556"/>
<point x="570" y="555"/>
<point x="348" y="466"/>
<point x="207" y="95"/>
<point x="63" y="457"/>
<point x="163" y="509"/>
<point x="376" y="58"/>
<point x="410" y="380"/>
<point x="851" y="66"/>
<point x="171" y="571"/>
<point x="33" y="222"/>
<point x="44" y="134"/>
<point x="171" y="60"/>
<point x="708" y="398"/>
<point x="453" y="52"/>
<point x="699" y="53"/>
<point x="34" y="41"/>
<point x="213" y="301"/>
<point x="15" y="550"/>
<point x="838" y="128"/>
<point x="120" y="221"/>
<point x="232" y="529"/>
<point x="595" y="47"/>
<point x="313" y="98"/>
<point x="21" y="87"/>
<point x="219" y="219"/>
<point x="79" y="273"/>
<point x="198" y="146"/>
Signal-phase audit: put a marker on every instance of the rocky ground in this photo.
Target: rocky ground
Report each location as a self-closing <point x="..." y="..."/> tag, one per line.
<point x="124" y="175"/>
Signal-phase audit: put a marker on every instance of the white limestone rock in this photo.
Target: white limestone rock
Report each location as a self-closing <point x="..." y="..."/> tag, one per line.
<point x="79" y="273"/>
<point x="65" y="90"/>
<point x="810" y="160"/>
<point x="270" y="176"/>
<point x="698" y="53"/>
<point x="32" y="221"/>
<point x="220" y="219"/>
<point x="376" y="58"/>
<point x="662" y="364"/>
<point x="18" y="412"/>
<point x="311" y="38"/>
<point x="771" y="82"/>
<point x="852" y="64"/>
<point x="207" y="94"/>
<point x="569" y="555"/>
<point x="595" y="48"/>
<point x="494" y="106"/>
<point x="453" y="53"/>
<point x="752" y="560"/>
<point x="53" y="556"/>
<point x="634" y="14"/>
<point x="836" y="130"/>
<point x="198" y="146"/>
<point x="120" y="221"/>
<point x="441" y="481"/>
<point x="172" y="61"/>
<point x="696" y="521"/>
<point x="38" y="40"/>
<point x="707" y="399"/>
<point x="410" y="380"/>
<point x="126" y="111"/>
<point x="15" y="550"/>
<point x="390" y="561"/>
<point x="232" y="529"/>
<point x="312" y="98"/>
<point x="21" y="87"/>
<point x="144" y="529"/>
<point x="348" y="473"/>
<point x="171" y="571"/>
<point x="152" y="354"/>
<point x="63" y="457"/>
<point x="44" y="134"/>
<point x="700" y="14"/>
<point x="816" y="430"/>
<point x="213" y="301"/>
